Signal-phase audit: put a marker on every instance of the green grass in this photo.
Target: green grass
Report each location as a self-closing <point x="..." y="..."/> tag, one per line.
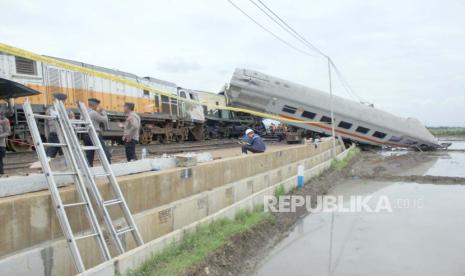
<point x="279" y="191"/>
<point x="341" y="164"/>
<point x="447" y="131"/>
<point x="196" y="246"/>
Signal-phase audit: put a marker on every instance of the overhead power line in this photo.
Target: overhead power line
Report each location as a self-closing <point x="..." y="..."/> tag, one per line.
<point x="270" y="32"/>
<point x="290" y="30"/>
<point x="285" y="26"/>
<point x="294" y="32"/>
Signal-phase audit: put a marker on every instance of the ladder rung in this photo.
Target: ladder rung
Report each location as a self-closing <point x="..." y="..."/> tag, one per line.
<point x="74" y="204"/>
<point x="124" y="230"/>
<point x="64" y="173"/>
<point x="86" y="236"/>
<point x="89" y="148"/>
<point x="101" y="175"/>
<point x="79" y="122"/>
<point x="112" y="201"/>
<point x="54" y="145"/>
<point x="41" y="116"/>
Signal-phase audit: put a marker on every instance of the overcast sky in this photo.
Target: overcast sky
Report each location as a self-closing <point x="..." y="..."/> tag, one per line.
<point x="405" y="56"/>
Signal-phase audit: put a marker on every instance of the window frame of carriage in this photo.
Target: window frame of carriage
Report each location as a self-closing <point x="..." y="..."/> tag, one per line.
<point x="378" y="134"/>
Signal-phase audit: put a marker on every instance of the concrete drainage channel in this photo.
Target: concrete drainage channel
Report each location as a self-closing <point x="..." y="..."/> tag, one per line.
<point x="166" y="205"/>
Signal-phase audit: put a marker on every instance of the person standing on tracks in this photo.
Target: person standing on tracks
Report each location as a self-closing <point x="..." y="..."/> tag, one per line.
<point x="50" y="126"/>
<point x="131" y="131"/>
<point x="254" y="143"/>
<point x="5" y="131"/>
<point x="99" y="117"/>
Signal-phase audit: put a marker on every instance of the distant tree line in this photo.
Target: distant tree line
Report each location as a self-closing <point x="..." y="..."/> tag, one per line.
<point x="447" y="131"/>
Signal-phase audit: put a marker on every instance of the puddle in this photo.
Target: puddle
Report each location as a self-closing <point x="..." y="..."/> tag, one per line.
<point x="396" y="152"/>
<point x="424" y="235"/>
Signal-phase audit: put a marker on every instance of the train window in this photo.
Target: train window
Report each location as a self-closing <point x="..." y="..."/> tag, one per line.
<point x="192" y="96"/>
<point x="363" y="130"/>
<point x="289" y="109"/>
<point x="25" y="66"/>
<point x="325" y="119"/>
<point x="345" y="125"/>
<point x="395" y="139"/>
<point x="146" y="93"/>
<point x="379" y="134"/>
<point x="308" y="114"/>
<point x="183" y="94"/>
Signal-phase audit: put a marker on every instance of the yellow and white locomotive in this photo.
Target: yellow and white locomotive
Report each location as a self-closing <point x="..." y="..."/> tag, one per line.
<point x="164" y="119"/>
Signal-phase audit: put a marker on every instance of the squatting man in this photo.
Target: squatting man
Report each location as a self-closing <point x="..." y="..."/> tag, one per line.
<point x="252" y="142"/>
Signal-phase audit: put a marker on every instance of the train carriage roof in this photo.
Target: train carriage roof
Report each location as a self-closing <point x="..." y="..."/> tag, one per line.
<point x="10" y="89"/>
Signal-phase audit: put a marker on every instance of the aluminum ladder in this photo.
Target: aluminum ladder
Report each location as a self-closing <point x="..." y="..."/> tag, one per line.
<point x="85" y="126"/>
<point x="79" y="183"/>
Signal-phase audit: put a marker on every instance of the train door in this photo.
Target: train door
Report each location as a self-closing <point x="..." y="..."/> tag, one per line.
<point x="182" y="105"/>
<point x="165" y="104"/>
<point x="157" y="103"/>
<point x="195" y="110"/>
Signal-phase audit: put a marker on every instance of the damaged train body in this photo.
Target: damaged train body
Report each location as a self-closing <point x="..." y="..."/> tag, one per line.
<point x="353" y="121"/>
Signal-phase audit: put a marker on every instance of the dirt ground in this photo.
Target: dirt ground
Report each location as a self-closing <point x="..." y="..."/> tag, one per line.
<point x="242" y="254"/>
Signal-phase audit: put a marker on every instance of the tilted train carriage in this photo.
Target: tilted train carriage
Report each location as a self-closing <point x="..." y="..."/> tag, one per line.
<point x="353" y="121"/>
<point x="163" y="119"/>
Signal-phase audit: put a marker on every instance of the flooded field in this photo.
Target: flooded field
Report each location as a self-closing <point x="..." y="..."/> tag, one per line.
<point x="450" y="164"/>
<point x="423" y="234"/>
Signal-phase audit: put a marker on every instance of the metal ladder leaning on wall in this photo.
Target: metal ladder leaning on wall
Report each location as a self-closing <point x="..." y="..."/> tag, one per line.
<point x="83" y="178"/>
<point x="57" y="202"/>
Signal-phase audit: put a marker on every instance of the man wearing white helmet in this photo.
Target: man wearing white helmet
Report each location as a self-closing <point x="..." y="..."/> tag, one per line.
<point x="254" y="143"/>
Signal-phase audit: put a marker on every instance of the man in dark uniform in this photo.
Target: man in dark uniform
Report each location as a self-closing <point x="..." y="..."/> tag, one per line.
<point x="5" y="131"/>
<point x="98" y="117"/>
<point x="51" y="126"/>
<point x="131" y="131"/>
<point x="253" y="143"/>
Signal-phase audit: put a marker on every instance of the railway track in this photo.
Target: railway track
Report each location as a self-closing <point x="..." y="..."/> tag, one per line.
<point x="18" y="163"/>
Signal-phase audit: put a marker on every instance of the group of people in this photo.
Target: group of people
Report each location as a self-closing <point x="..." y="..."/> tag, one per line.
<point x="131" y="127"/>
<point x="100" y="122"/>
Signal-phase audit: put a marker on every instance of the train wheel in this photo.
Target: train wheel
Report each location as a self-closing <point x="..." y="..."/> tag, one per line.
<point x="146" y="136"/>
<point x="20" y="142"/>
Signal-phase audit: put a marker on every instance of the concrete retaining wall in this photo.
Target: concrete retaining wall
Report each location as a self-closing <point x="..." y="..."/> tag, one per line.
<point x="162" y="202"/>
<point x="136" y="257"/>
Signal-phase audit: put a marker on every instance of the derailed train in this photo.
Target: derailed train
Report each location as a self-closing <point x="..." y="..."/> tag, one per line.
<point x="166" y="119"/>
<point x="163" y="119"/>
<point x="352" y="121"/>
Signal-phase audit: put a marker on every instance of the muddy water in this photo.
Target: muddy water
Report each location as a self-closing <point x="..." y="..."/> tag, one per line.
<point x="423" y="235"/>
<point x="450" y="164"/>
<point x="456" y="145"/>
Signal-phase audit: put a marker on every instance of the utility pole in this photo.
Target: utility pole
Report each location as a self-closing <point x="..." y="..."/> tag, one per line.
<point x="331" y="106"/>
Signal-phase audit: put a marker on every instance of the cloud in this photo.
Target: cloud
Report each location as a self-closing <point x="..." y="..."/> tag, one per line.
<point x="404" y="56"/>
<point x="178" y="65"/>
